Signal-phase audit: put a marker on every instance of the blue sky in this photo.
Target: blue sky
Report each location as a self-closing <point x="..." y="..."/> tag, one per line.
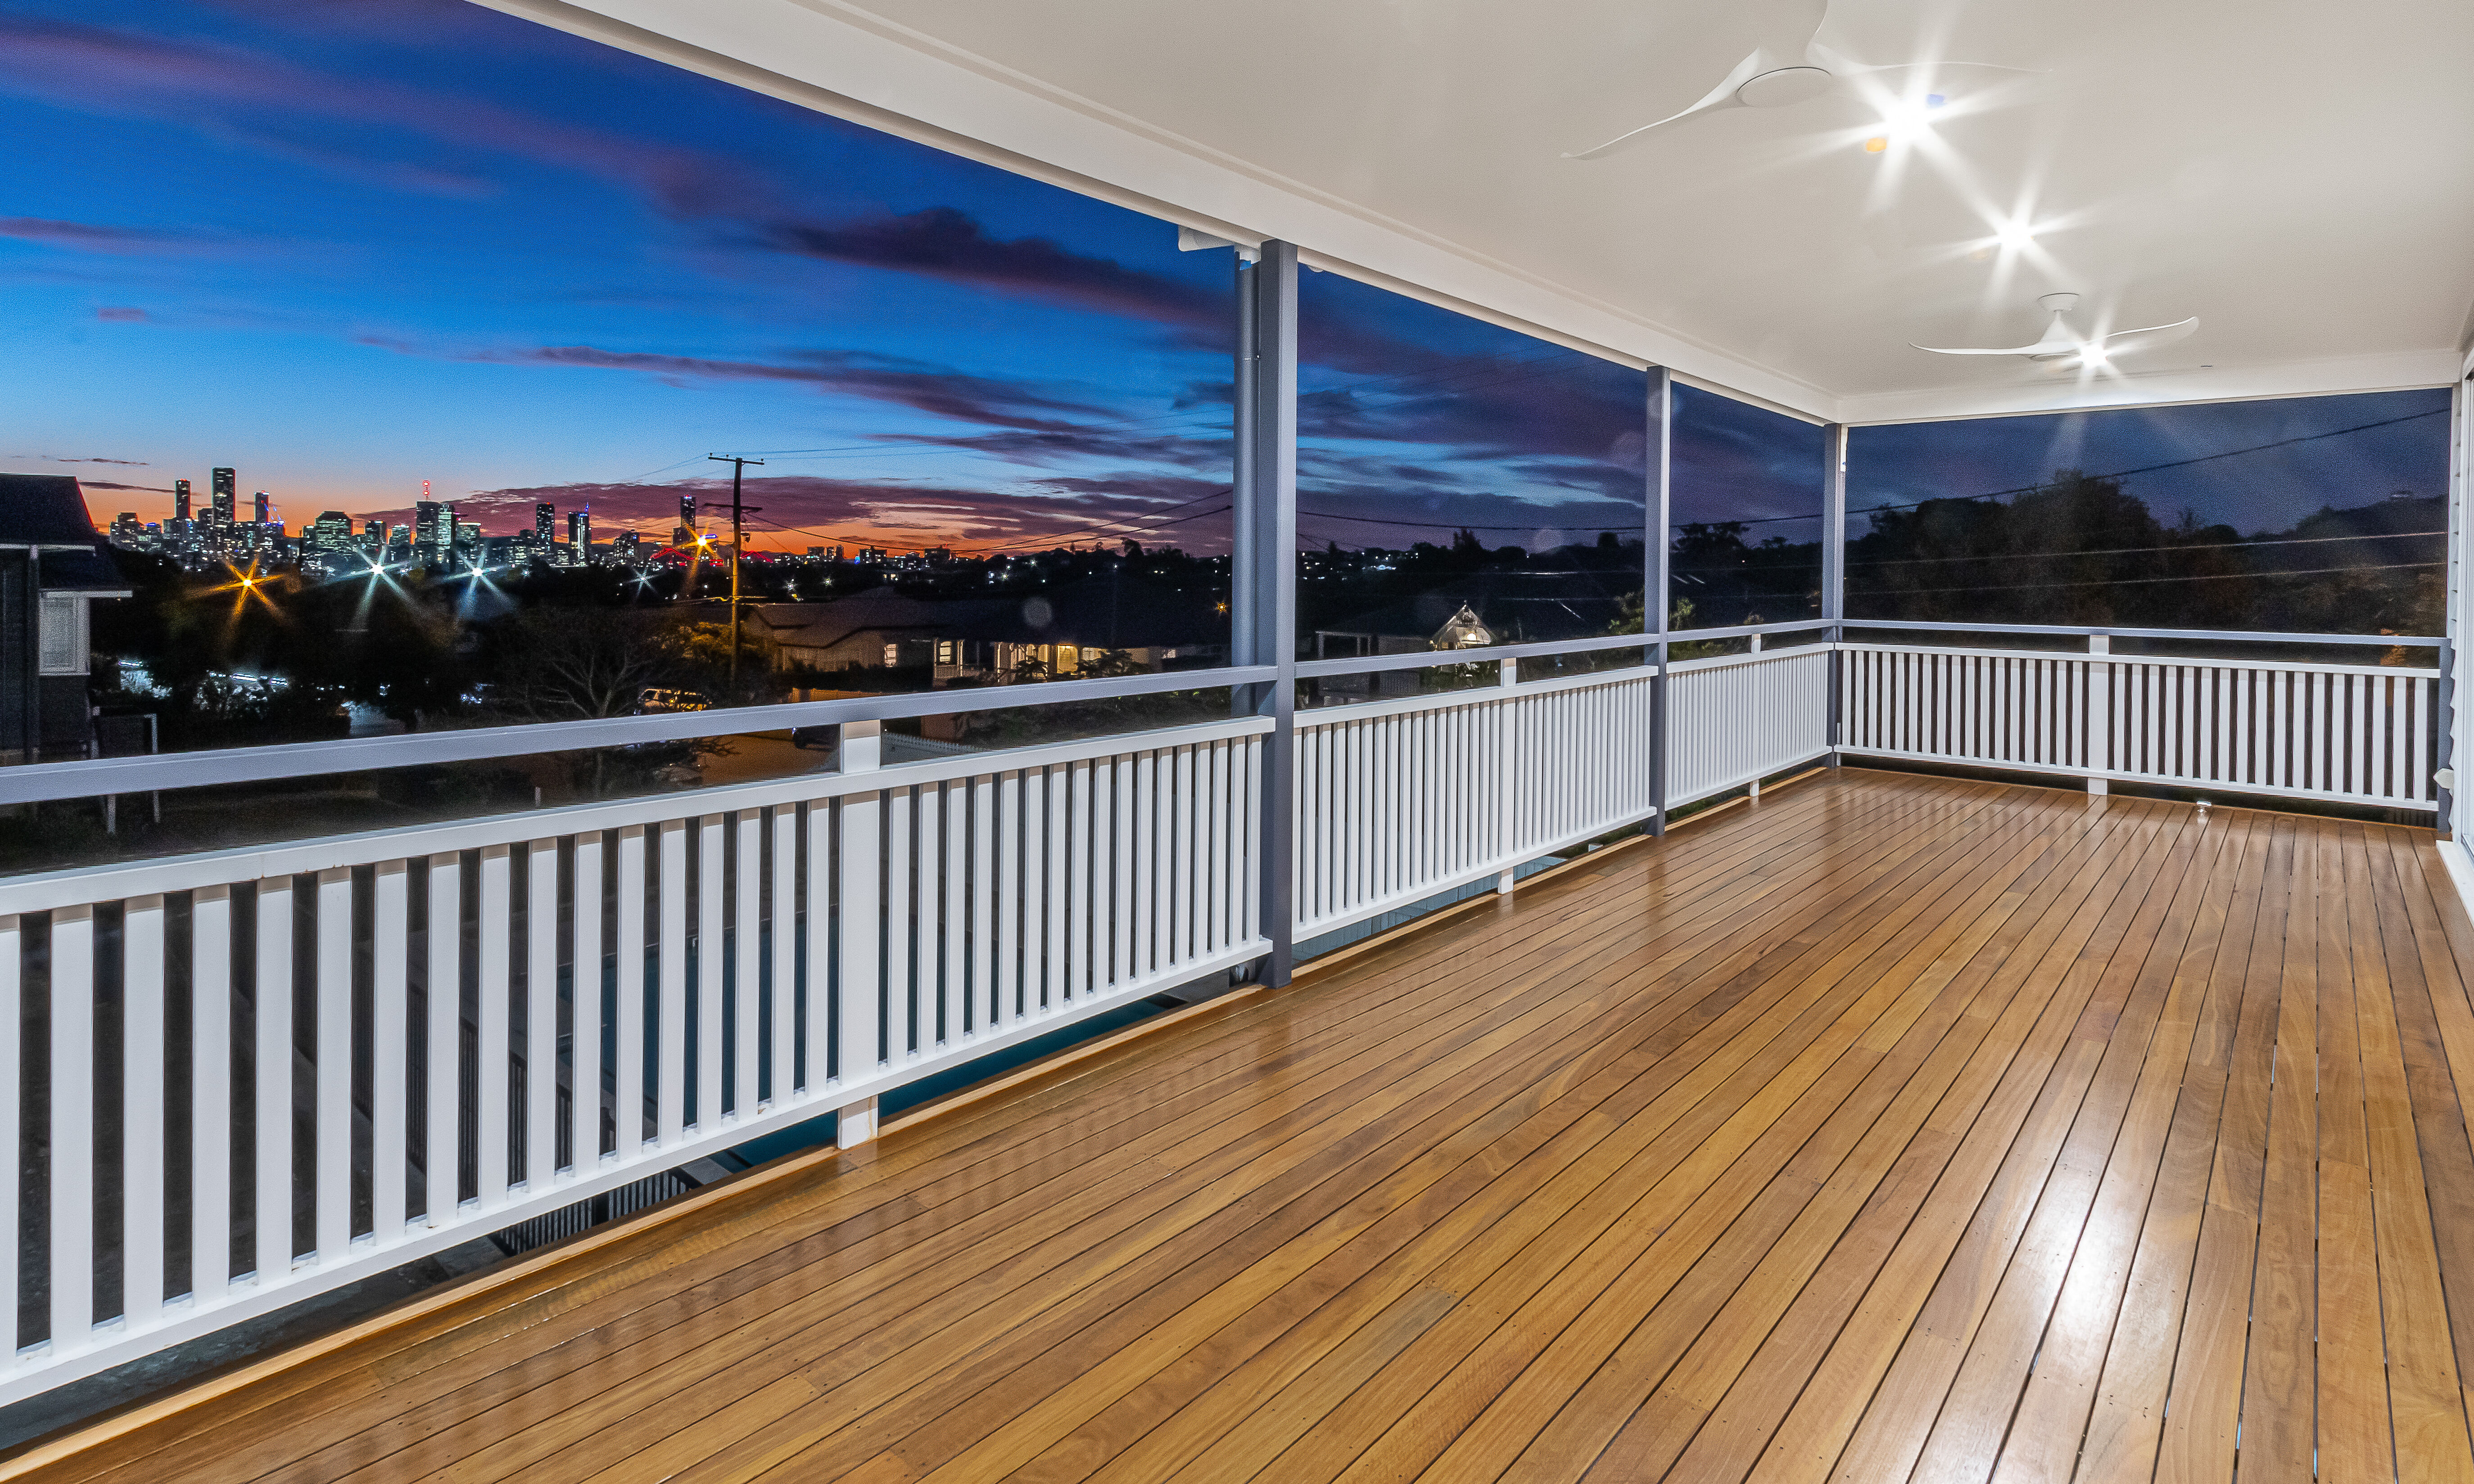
<point x="345" y="248"/>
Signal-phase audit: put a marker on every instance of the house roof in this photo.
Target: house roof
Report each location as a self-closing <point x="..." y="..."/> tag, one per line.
<point x="48" y="511"/>
<point x="44" y="510"/>
<point x="1517" y="606"/>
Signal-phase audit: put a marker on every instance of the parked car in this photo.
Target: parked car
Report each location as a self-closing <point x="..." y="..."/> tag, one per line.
<point x="655" y="699"/>
<point x="814" y="736"/>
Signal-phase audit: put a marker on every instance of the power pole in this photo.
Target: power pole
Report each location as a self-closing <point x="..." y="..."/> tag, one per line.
<point x="737" y="545"/>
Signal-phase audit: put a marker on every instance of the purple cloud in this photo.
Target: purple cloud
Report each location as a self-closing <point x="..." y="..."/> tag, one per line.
<point x="944" y="243"/>
<point x="89" y="235"/>
<point x="933" y="390"/>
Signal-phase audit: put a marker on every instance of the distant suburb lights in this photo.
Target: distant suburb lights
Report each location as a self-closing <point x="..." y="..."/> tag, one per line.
<point x="1906" y="121"/>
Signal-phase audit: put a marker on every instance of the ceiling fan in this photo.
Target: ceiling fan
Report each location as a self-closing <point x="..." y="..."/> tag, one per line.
<point x="1789" y="66"/>
<point x="2061" y="343"/>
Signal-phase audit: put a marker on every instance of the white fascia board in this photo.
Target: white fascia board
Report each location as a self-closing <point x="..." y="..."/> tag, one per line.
<point x="843" y="61"/>
<point x="2387" y="372"/>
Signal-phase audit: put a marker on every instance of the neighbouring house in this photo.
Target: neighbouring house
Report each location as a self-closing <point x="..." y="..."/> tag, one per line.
<point x="52" y="571"/>
<point x="989" y="639"/>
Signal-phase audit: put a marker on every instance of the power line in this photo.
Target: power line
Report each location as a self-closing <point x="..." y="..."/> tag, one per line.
<point x="2142" y="581"/>
<point x="2125" y="551"/>
<point x="2145" y="468"/>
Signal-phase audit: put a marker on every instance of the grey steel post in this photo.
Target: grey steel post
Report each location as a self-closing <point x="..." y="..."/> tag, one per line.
<point x="1659" y="504"/>
<point x="1263" y="604"/>
<point x="1834" y="564"/>
<point x="1241" y="490"/>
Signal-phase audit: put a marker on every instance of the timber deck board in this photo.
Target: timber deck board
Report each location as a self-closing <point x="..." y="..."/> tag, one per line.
<point x="1888" y="1128"/>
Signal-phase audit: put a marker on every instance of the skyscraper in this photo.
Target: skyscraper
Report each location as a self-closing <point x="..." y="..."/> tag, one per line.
<point x="579" y="537"/>
<point x="433" y="531"/>
<point x="686" y="510"/>
<point x="327" y="541"/>
<point x="545" y="528"/>
<point x="227" y="494"/>
<point x="180" y="499"/>
<point x="257" y="508"/>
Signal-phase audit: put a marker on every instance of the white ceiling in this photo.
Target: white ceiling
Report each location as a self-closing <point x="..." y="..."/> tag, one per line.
<point x="2298" y="175"/>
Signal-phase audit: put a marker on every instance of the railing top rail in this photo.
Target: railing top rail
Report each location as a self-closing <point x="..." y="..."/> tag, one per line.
<point x="2210" y="635"/>
<point x="1368" y="664"/>
<point x="2127" y="661"/>
<point x="1746" y="630"/>
<point x="87" y="779"/>
<point x="80" y="884"/>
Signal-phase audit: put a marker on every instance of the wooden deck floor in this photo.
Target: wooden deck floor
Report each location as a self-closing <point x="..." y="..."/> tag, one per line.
<point x="1897" y="1128"/>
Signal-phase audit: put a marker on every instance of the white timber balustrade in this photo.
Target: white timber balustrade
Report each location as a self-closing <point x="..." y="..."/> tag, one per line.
<point x="1405" y="799"/>
<point x="1739" y="718"/>
<point x="2338" y="733"/>
<point x="250" y="1076"/>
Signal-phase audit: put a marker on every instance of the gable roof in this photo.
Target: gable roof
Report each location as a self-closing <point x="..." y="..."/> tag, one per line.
<point x="44" y="510"/>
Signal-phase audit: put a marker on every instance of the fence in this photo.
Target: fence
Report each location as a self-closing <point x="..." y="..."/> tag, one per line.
<point x="246" y="1077"/>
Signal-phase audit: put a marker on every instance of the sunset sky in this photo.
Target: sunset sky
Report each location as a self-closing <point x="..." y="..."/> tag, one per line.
<point x="347" y="247"/>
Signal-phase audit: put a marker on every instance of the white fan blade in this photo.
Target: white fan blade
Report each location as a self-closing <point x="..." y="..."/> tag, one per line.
<point x="2038" y="348"/>
<point x="1788" y="35"/>
<point x="2157" y="335"/>
<point x="1722" y="96"/>
<point x="1791" y="30"/>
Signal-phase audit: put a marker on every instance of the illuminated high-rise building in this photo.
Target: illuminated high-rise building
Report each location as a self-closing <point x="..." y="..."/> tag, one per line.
<point x="327" y="541"/>
<point x="258" y="503"/>
<point x="433" y="531"/>
<point x="579" y="537"/>
<point x="180" y="499"/>
<point x="544" y="528"/>
<point x="227" y="496"/>
<point x="686" y="510"/>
